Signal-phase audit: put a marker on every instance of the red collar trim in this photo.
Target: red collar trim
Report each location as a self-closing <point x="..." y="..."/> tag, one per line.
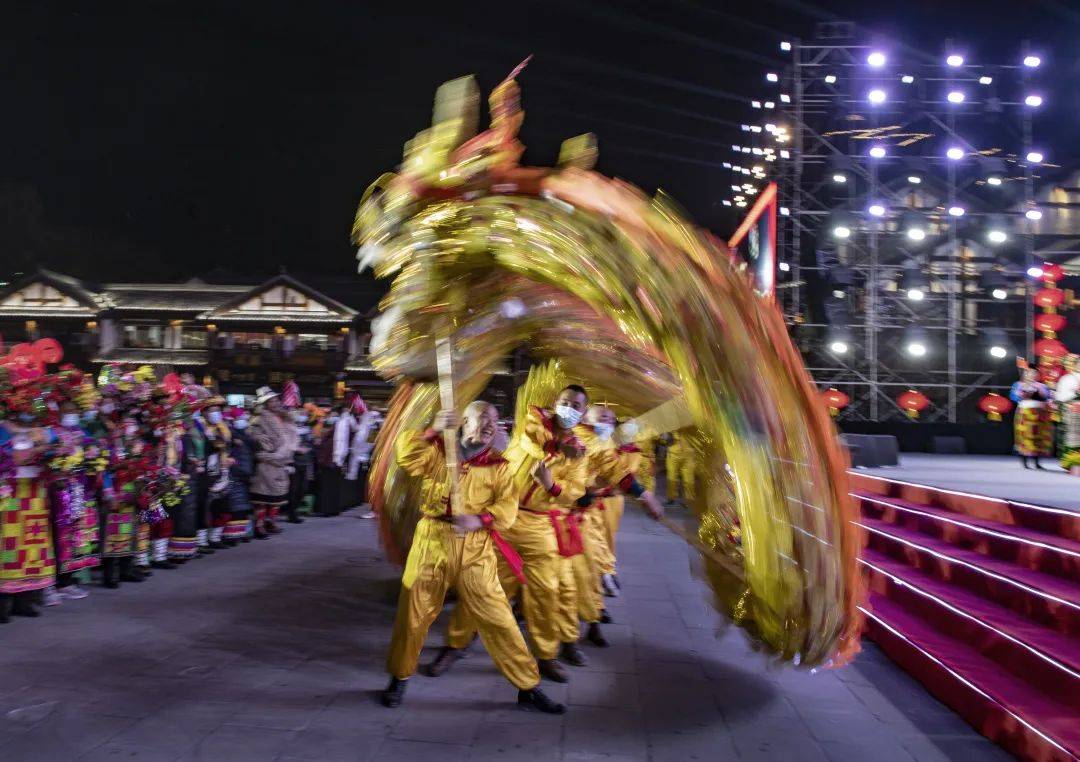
<point x="629" y="448"/>
<point x="486" y="457"/>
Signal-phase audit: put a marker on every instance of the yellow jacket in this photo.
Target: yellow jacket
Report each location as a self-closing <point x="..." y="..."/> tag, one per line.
<point x="609" y="466"/>
<point x="485" y="482"/>
<point x="540" y="439"/>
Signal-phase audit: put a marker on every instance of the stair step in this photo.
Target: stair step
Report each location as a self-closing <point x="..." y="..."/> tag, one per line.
<point x="1046" y="659"/>
<point x="1019" y="545"/>
<point x="1056" y="522"/>
<point x="1007" y="710"/>
<point x="1044" y="598"/>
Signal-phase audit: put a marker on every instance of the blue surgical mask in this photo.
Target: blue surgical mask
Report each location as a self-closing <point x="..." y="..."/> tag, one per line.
<point x="603" y="431"/>
<point x="240" y="424"/>
<point x="568" y="417"/>
<point x="214" y="416"/>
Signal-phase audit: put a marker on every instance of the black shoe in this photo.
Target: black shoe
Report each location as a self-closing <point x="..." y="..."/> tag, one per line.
<point x="206" y="550"/>
<point x="572" y="655"/>
<point x="296" y="520"/>
<point x="231" y="543"/>
<point x="444" y="661"/>
<point x="22" y="606"/>
<point x="537" y="701"/>
<point x="605" y="617"/>
<point x="552" y="670"/>
<point x="245" y="539"/>
<point x="163" y="564"/>
<point x="596" y="637"/>
<point x="131" y="575"/>
<point x="218" y="546"/>
<point x="394" y="693"/>
<point x="145" y="571"/>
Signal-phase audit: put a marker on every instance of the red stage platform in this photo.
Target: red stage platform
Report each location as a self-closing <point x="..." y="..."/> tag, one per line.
<point x="978" y="597"/>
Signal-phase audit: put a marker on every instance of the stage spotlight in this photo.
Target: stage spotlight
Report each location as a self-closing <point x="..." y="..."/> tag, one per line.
<point x="1035" y="272"/>
<point x="997" y="343"/>
<point x="841" y="224"/>
<point x="994" y="180"/>
<point x="999" y="293"/>
<point x="784" y="267"/>
<point x="770" y="104"/>
<point x="914" y="282"/>
<point x="955" y="96"/>
<point x="772" y="77"/>
<point x="956" y="211"/>
<point x="1033" y="214"/>
<point x="1034" y="157"/>
<point x="915" y="234"/>
<point x="914" y="226"/>
<point x="830" y="79"/>
<point x="907" y="79"/>
<point x="996" y="236"/>
<point x="986" y="80"/>
<point x="994" y="282"/>
<point x="914" y="179"/>
<point x="755" y="104"/>
<point x="1033" y="100"/>
<point x="955" y="60"/>
<point x="876" y="210"/>
<point x="998" y="352"/>
<point x="785" y="46"/>
<point x="785" y="98"/>
<point x="784" y="211"/>
<point x="841" y="231"/>
<point x="997" y="229"/>
<point x="839" y="177"/>
<point x="877" y="95"/>
<point x="1032" y="61"/>
<point x="915" y="342"/>
<point x="876" y="59"/>
<point x="838" y="347"/>
<point x="955" y="153"/>
<point x="877" y="152"/>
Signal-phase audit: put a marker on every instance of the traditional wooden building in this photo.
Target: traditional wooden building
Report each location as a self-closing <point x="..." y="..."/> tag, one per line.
<point x="235" y="335"/>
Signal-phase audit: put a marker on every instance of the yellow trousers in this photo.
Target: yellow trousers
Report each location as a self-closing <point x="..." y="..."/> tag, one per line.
<point x="471" y="567"/>
<point x="680" y="471"/>
<point x="612" y="517"/>
<point x="548" y="598"/>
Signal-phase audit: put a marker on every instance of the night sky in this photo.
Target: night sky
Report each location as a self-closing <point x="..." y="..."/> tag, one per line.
<point x="163" y="140"/>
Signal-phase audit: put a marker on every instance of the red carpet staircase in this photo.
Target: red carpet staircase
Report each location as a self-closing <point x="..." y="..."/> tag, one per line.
<point x="979" y="599"/>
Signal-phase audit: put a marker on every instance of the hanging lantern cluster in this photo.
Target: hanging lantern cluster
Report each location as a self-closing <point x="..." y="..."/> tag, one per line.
<point x="835" y="400"/>
<point x="995" y="406"/>
<point x="913" y="403"/>
<point x="1048" y="350"/>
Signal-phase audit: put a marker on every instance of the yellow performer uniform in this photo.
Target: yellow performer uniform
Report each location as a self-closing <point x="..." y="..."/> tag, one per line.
<point x="680" y="469"/>
<point x="440" y="557"/>
<point x="547" y="535"/>
<point x="632" y="459"/>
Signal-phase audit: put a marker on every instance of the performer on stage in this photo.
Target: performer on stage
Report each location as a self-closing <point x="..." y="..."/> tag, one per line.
<point x="1033" y="430"/>
<point x="455" y="547"/>
<point x="1067" y="400"/>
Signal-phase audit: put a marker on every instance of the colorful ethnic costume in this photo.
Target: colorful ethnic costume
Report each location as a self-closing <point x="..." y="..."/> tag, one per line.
<point x="1067" y="400"/>
<point x="1033" y="428"/>
<point x="75" y="466"/>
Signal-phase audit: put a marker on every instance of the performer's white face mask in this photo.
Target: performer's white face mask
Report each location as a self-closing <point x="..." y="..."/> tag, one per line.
<point x="568" y="417"/>
<point x="603" y="431"/>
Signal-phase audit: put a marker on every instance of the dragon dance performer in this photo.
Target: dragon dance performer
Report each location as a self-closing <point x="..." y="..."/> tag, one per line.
<point x="679" y="465"/>
<point x="455" y="547"/>
<point x="548" y="536"/>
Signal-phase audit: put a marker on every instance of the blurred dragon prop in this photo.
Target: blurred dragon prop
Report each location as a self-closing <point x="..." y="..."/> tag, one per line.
<point x="645" y="309"/>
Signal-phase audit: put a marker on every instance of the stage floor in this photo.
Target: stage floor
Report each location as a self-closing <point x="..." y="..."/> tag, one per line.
<point x="999" y="476"/>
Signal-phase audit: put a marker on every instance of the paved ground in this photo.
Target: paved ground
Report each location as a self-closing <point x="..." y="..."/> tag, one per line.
<point x="274" y="650"/>
<point x="996" y="475"/>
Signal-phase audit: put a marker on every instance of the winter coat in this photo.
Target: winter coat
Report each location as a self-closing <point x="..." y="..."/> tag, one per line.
<point x="275" y="441"/>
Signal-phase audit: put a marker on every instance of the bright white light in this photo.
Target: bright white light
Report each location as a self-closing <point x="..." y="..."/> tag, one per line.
<point x="772" y="77"/>
<point x="744" y="170"/>
<point x="956" y="211"/>
<point x="916" y="234"/>
<point x="746" y="149"/>
<point x="726" y="202"/>
<point x="1033" y="214"/>
<point x="740" y="204"/>
<point x="907" y="79"/>
<point x="770" y="127"/>
<point x="757" y="152"/>
<point x="955" y="153"/>
<point x="915" y="294"/>
<point x="1035" y="272"/>
<point x="785" y="98"/>
<point x="736" y="147"/>
<point x="755" y="128"/>
<point x="785" y="46"/>
<point x="1033" y="100"/>
<point x="784" y="212"/>
<point x="736" y="187"/>
<point x="838" y="347"/>
<point x="999" y="293"/>
<point x="838" y="293"/>
<point x="784" y="267"/>
<point x="955" y="60"/>
<point x="878" y="152"/>
<point x="916" y="349"/>
<point x="876" y="59"/>
<point x="955" y="96"/>
<point x="758" y="168"/>
<point x="839" y="177"/>
<point x="998" y="352"/>
<point x="755" y="104"/>
<point x="842" y="231"/>
<point x="914" y="179"/>
<point x="877" y="210"/>
<point x="997" y="236"/>
<point x="785" y="154"/>
<point x="727" y="165"/>
<point x="1032" y="61"/>
<point x="745" y="128"/>
<point x="877" y="95"/>
<point x="830" y="79"/>
<point x="985" y="80"/>
<point x="993" y="180"/>
<point x="770" y="104"/>
<point x="1035" y="157"/>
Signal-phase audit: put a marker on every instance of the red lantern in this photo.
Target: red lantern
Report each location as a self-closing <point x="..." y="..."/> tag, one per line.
<point x="1049" y="298"/>
<point x="995" y="406"/>
<point x="913" y="402"/>
<point x="1051" y="348"/>
<point x="835" y="400"/>
<point x="1050" y="323"/>
<point x="1052" y="273"/>
<point x="48" y="351"/>
<point x="1051" y="374"/>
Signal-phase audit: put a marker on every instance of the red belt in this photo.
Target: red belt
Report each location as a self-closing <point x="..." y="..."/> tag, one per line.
<point x="506" y="550"/>
<point x="567" y="531"/>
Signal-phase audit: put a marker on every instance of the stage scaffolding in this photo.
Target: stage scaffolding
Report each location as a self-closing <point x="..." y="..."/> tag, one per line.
<point x="854" y="292"/>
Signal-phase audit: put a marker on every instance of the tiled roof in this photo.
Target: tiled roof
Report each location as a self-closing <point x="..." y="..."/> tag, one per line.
<point x="156" y="356"/>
